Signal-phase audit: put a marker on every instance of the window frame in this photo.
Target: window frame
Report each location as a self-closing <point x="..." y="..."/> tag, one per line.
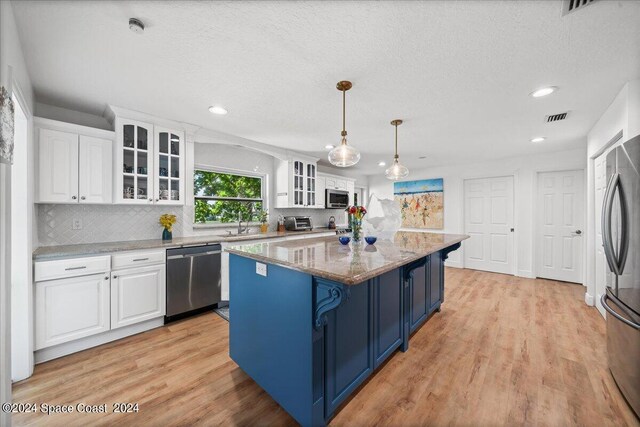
<point x="229" y="171"/>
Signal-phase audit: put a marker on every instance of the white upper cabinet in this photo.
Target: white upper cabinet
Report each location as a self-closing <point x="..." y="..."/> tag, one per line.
<point x="95" y="170"/>
<point x="133" y="167"/>
<point x="150" y="163"/>
<point x="57" y="167"/>
<point x="170" y="167"/>
<point x="296" y="183"/>
<point x="73" y="167"/>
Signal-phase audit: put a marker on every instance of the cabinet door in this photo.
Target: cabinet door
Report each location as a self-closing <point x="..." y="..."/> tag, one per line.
<point x="137" y="294"/>
<point x="320" y="192"/>
<point x="298" y="190"/>
<point x="58" y="167"/>
<point x="352" y="191"/>
<point x="169" y="167"/>
<point x="310" y="186"/>
<point x="68" y="309"/>
<point x="95" y="170"/>
<point x="418" y="296"/>
<point x="134" y="162"/>
<point x="387" y="319"/>
<point x="436" y="282"/>
<point x="349" y="358"/>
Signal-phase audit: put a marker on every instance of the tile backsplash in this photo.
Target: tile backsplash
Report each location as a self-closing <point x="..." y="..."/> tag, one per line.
<point x="112" y="223"/>
<point x="102" y="223"/>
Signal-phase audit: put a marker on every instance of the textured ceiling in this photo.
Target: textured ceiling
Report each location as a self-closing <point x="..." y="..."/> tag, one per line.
<point x="458" y="73"/>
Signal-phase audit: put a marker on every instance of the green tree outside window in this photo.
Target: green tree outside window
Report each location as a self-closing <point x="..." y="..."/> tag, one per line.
<point x="224" y="198"/>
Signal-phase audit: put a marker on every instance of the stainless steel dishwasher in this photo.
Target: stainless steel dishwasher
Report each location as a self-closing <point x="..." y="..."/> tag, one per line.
<point x="193" y="280"/>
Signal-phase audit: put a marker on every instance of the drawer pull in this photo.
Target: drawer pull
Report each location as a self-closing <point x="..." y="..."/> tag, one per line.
<point x="75" y="268"/>
<point x="141" y="259"/>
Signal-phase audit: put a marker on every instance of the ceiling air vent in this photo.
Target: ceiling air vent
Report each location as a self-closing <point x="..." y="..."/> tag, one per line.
<point x="555" y="117"/>
<point x="569" y="6"/>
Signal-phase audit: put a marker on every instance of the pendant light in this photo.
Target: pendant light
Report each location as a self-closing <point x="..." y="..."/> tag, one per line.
<point x="396" y="171"/>
<point x="344" y="155"/>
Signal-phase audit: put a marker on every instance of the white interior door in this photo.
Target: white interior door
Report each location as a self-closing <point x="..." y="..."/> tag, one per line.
<point x="488" y="219"/>
<point x="560" y="225"/>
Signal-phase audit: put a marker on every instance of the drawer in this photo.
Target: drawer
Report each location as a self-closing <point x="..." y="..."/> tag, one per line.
<point x="137" y="259"/>
<point x="72" y="267"/>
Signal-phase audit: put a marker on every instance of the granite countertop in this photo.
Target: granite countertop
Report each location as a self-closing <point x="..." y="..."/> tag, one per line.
<point x="65" y="251"/>
<point x="351" y="264"/>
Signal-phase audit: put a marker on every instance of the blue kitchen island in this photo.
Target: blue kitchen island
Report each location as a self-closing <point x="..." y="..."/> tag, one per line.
<point x="311" y="319"/>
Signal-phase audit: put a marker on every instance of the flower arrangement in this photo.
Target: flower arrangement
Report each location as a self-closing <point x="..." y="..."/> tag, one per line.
<point x="167" y="221"/>
<point x="263" y="215"/>
<point x="356" y="213"/>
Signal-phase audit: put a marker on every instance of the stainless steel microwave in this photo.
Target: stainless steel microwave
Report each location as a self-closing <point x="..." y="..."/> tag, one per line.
<point x="336" y="199"/>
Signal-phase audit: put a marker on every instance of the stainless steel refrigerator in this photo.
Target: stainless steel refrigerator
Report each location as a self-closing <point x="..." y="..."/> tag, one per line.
<point x="621" y="238"/>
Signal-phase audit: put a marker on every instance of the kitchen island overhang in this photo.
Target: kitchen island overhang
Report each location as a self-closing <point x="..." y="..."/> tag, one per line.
<point x="310" y="320"/>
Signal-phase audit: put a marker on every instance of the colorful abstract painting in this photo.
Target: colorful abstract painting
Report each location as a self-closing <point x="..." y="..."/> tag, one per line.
<point x="421" y="203"/>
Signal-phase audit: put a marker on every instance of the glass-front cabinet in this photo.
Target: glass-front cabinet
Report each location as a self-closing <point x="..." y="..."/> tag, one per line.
<point x="169" y="175"/>
<point x="134" y="162"/>
<point x="311" y="185"/>
<point x="149" y="165"/>
<point x="298" y="183"/>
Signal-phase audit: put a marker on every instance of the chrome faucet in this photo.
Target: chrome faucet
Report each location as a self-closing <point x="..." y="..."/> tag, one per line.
<point x="246" y="228"/>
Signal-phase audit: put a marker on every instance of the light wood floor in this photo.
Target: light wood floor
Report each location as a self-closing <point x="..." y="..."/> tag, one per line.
<point x="503" y="351"/>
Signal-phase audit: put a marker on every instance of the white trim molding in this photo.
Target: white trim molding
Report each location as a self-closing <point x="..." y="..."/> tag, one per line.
<point x="589" y="299"/>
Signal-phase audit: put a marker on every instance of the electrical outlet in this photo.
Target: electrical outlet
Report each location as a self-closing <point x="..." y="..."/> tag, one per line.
<point x="77" y="224"/>
<point x="261" y="269"/>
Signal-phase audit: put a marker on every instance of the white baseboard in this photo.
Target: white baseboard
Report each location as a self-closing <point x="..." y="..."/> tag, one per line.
<point x="526" y="273"/>
<point x="454" y="264"/>
<point x="60" y="350"/>
<point x="589" y="299"/>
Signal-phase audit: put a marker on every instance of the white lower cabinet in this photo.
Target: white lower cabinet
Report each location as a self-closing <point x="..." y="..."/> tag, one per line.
<point x="137" y="294"/>
<point x="71" y="308"/>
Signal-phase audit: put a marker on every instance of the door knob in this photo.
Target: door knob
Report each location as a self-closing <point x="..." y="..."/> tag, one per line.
<point x="73" y="197"/>
<point x="578" y="232"/>
<point x="82" y="198"/>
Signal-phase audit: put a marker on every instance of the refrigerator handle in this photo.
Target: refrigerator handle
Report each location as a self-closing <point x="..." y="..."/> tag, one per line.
<point x="603" y="301"/>
<point x="606" y="224"/>
<point x="624" y="228"/>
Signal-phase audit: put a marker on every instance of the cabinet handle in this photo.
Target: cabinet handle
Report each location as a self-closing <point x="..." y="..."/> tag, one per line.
<point x="115" y="277"/>
<point x="74" y="197"/>
<point x="75" y="268"/>
<point x="82" y="198"/>
<point x="157" y="200"/>
<point x="150" y="199"/>
<point x="140" y="259"/>
<point x="106" y="278"/>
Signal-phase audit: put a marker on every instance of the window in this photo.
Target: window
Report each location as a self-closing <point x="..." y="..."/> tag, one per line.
<point x="223" y="197"/>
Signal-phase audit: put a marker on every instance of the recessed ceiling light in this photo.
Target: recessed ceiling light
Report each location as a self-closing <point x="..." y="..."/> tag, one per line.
<point x="382" y="164"/>
<point x="329" y="146"/>
<point x="538" y="139"/>
<point x="543" y="91"/>
<point x="136" y="25"/>
<point x="216" y="109"/>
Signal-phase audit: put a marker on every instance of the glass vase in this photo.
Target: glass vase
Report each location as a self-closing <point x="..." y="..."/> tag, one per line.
<point x="166" y="234"/>
<point x="356" y="229"/>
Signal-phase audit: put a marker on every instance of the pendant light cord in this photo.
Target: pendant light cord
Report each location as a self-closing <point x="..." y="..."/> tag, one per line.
<point x="396" y="156"/>
<point x="344" y="120"/>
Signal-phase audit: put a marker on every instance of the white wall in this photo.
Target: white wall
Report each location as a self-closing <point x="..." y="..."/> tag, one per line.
<point x="623" y="114"/>
<point x="13" y="71"/>
<point x="524" y="170"/>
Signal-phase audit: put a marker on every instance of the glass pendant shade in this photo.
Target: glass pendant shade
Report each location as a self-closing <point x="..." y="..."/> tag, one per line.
<point x="396" y="171"/>
<point x="344" y="155"/>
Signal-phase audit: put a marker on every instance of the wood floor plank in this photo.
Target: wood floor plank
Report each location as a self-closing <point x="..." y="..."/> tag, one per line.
<point x="503" y="351"/>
